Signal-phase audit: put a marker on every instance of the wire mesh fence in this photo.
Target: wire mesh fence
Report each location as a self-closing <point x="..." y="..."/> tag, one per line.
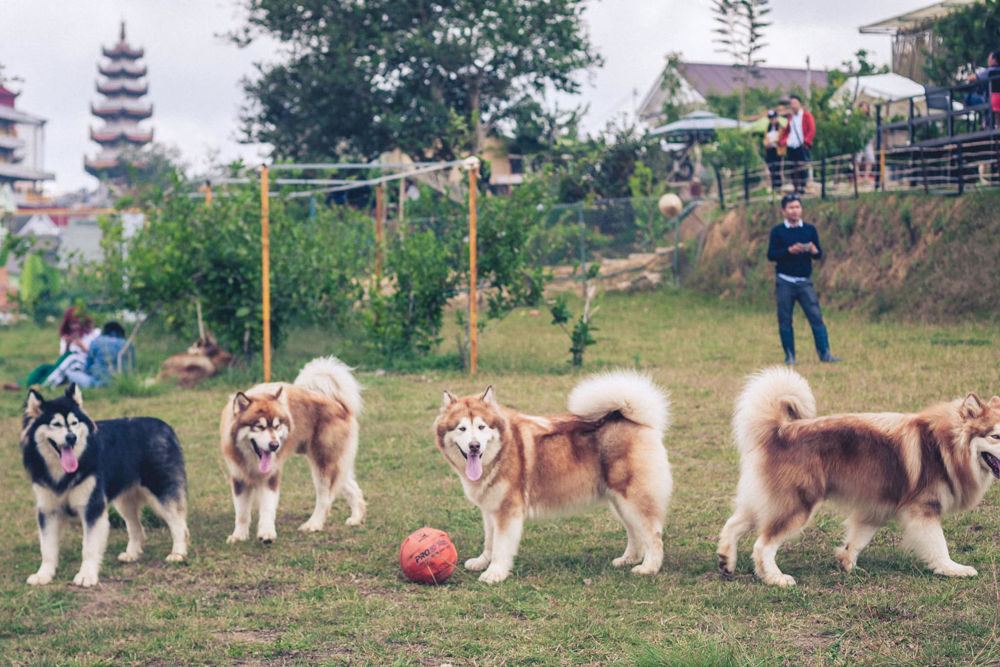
<point x="629" y="237"/>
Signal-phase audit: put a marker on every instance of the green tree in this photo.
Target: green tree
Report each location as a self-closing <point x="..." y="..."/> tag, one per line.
<point x="601" y="166"/>
<point x="429" y="78"/>
<point x="756" y="100"/>
<point x="965" y="36"/>
<point x="671" y="84"/>
<point x="740" y="33"/>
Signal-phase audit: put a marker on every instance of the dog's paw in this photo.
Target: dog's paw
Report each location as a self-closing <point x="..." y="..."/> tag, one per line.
<point x="645" y="569"/>
<point x="267" y="536"/>
<point x="355" y="520"/>
<point x="311" y="526"/>
<point x="956" y="570"/>
<point x="493" y="576"/>
<point x="724" y="567"/>
<point x="40" y="579"/>
<point x="622" y="561"/>
<point x="175" y="557"/>
<point x="237" y="537"/>
<point x="846" y="562"/>
<point x="85" y="578"/>
<point x="477" y="563"/>
<point x="129" y="556"/>
<point x="782" y="580"/>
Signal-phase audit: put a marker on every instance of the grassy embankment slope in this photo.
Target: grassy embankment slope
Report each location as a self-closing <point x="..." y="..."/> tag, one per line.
<point x="908" y="256"/>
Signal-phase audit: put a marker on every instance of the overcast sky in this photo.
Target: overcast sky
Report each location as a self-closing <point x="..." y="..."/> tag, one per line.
<point x="194" y="73"/>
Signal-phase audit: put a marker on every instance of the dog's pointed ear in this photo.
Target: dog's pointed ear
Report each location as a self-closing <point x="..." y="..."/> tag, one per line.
<point x="277" y="394"/>
<point x="972" y="407"/>
<point x="489" y="396"/>
<point x="995" y="403"/>
<point x="74" y="394"/>
<point x="447" y="399"/>
<point x="240" y="402"/>
<point x="33" y="404"/>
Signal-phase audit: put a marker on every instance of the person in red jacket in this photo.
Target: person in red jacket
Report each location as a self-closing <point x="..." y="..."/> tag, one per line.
<point x="797" y="136"/>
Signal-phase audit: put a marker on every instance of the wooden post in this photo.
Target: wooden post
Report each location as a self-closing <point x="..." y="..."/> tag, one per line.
<point x="402" y="198"/>
<point x="923" y="171"/>
<point x="961" y="170"/>
<point x="879" y="149"/>
<point x="472" y="164"/>
<point x="379" y="215"/>
<point x="881" y="168"/>
<point x="208" y="193"/>
<point x="722" y="195"/>
<point x="822" y="178"/>
<point x="265" y="271"/>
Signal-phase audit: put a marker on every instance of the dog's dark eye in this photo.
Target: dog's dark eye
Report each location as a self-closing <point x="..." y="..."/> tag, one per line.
<point x="462" y="429"/>
<point x="482" y="427"/>
<point x="995" y="436"/>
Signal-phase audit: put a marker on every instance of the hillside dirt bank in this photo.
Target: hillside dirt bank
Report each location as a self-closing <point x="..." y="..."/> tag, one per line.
<point x="929" y="258"/>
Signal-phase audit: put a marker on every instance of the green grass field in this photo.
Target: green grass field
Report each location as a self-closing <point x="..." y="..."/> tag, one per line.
<point x="338" y="596"/>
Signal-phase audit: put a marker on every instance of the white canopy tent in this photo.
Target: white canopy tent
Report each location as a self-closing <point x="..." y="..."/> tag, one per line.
<point x="883" y="88"/>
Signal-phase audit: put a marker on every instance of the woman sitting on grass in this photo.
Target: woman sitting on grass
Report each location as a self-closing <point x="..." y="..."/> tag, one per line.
<point x="76" y="333"/>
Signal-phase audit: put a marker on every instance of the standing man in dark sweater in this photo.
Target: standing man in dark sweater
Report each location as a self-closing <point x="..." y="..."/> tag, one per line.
<point x="793" y="246"/>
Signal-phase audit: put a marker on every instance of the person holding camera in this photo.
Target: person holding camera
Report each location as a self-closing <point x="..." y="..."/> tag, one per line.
<point x="793" y="246"/>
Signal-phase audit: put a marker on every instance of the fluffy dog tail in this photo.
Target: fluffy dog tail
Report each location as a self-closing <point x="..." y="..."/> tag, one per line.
<point x="636" y="396"/>
<point x="332" y="378"/>
<point x="770" y="398"/>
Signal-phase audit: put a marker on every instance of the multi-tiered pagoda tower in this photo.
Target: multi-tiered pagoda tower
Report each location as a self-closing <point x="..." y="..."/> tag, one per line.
<point x="123" y="87"/>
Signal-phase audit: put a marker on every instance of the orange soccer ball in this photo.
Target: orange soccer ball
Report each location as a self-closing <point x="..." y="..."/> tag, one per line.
<point x="427" y="556"/>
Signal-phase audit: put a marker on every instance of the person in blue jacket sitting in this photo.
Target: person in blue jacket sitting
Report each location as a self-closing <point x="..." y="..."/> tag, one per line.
<point x="102" y="358"/>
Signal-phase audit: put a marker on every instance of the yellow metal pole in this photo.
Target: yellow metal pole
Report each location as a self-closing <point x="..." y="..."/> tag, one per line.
<point x="265" y="246"/>
<point x="379" y="216"/>
<point x="473" y="165"/>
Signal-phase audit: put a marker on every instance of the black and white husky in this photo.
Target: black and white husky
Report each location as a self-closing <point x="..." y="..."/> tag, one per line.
<point x="78" y="466"/>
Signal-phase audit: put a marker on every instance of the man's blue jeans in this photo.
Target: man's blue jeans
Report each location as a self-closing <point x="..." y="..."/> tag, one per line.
<point x="788" y="293"/>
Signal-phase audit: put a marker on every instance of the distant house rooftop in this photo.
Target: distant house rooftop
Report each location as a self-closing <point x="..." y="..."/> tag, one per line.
<point x="913" y="36"/>
<point x="918" y="19"/>
<point x="701" y="79"/>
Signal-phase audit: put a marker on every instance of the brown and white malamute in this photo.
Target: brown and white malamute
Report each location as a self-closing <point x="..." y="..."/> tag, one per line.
<point x="914" y="467"/>
<point x="261" y="428"/>
<point x="202" y="360"/>
<point x="516" y="467"/>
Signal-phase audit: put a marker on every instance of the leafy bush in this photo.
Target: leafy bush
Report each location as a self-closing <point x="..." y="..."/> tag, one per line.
<point x="734" y="148"/>
<point x="407" y="317"/>
<point x="39" y="291"/>
<point x="190" y="252"/>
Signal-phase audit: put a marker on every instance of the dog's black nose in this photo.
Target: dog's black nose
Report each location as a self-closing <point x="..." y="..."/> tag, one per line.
<point x="473" y="447"/>
<point x="274" y="444"/>
<point x="71" y="439"/>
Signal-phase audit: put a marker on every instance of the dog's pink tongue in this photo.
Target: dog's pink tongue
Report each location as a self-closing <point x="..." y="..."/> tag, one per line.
<point x="265" y="462"/>
<point x="474" y="467"/>
<point x="68" y="459"/>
